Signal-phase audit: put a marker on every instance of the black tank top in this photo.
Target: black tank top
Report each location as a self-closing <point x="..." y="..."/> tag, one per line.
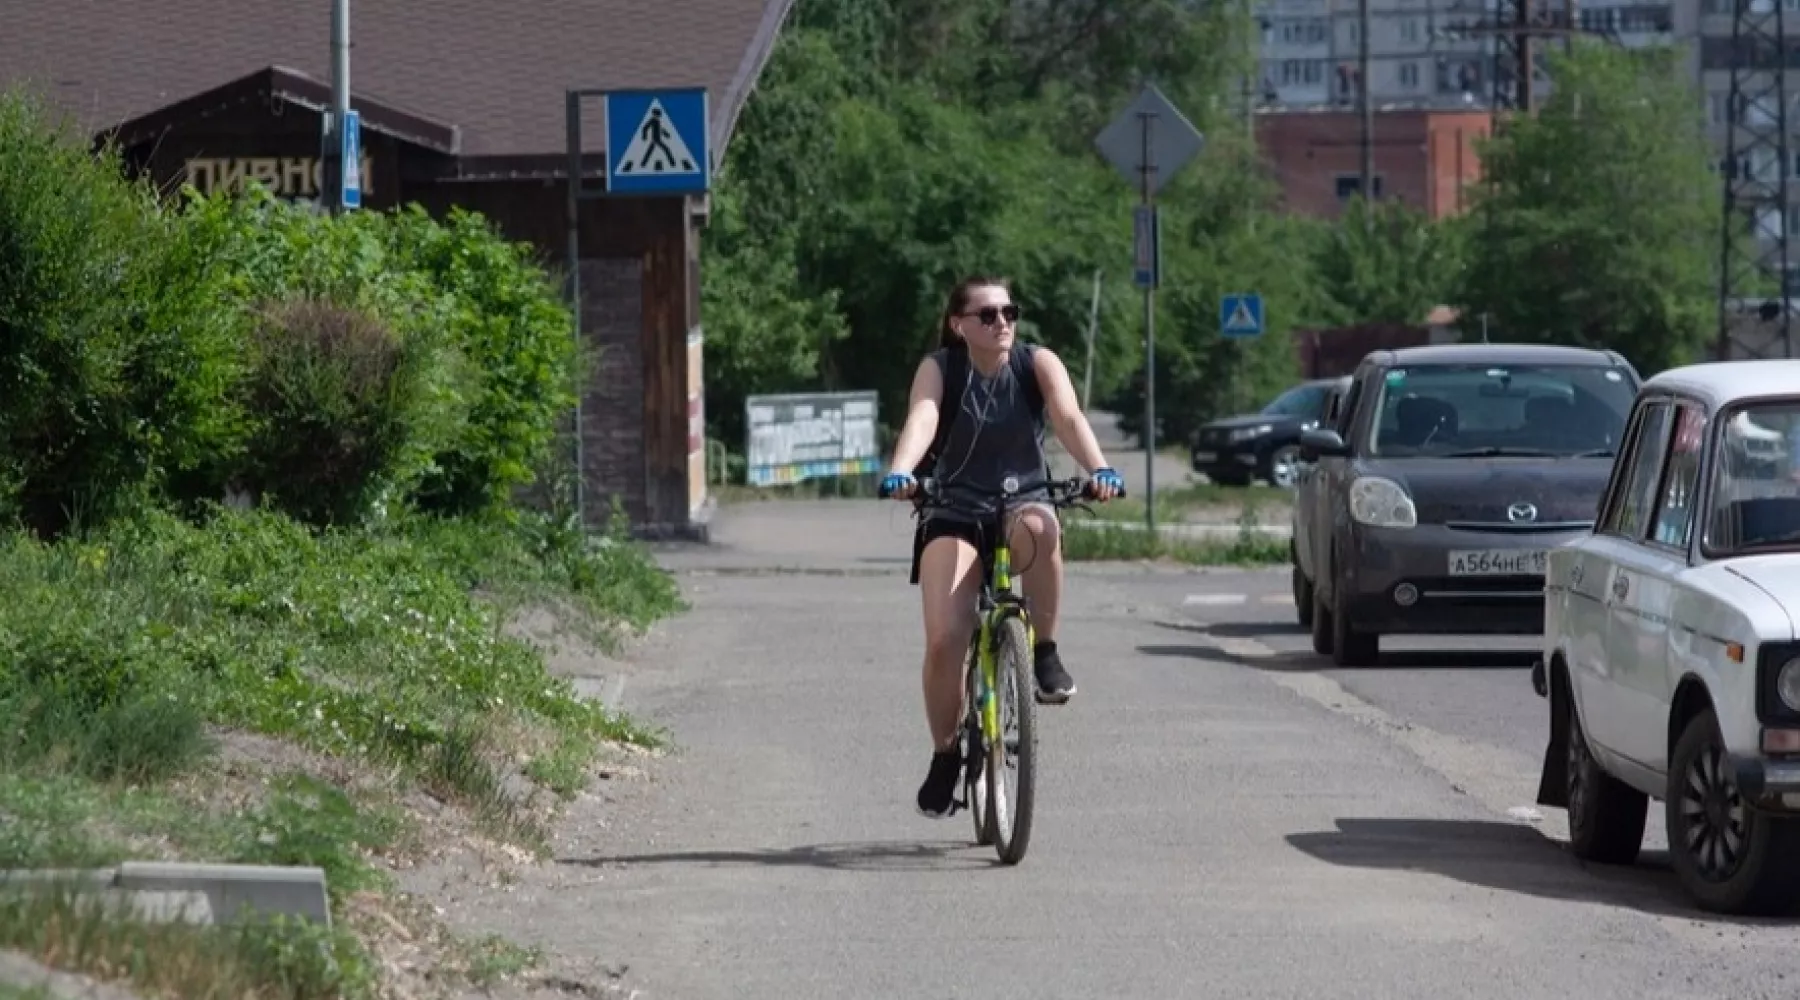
<point x="996" y="435"/>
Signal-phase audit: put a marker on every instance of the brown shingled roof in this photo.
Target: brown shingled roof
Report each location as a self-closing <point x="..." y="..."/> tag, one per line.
<point x="497" y="72"/>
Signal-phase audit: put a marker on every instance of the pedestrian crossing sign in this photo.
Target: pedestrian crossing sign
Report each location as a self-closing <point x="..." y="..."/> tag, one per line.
<point x="656" y="142"/>
<point x="1241" y="314"/>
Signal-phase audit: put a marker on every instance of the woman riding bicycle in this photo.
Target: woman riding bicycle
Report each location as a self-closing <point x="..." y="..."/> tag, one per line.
<point x="1008" y="392"/>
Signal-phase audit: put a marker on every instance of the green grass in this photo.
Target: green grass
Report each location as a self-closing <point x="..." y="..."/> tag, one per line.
<point x="1093" y="540"/>
<point x="1175" y="503"/>
<point x="125" y="653"/>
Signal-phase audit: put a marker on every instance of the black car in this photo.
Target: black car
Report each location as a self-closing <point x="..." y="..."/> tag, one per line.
<point x="1263" y="445"/>
<point x="1447" y="476"/>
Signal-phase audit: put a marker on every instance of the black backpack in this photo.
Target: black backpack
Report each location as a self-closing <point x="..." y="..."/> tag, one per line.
<point x="954" y="363"/>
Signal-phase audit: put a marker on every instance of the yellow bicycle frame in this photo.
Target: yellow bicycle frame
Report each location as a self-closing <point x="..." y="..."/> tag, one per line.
<point x="990" y="622"/>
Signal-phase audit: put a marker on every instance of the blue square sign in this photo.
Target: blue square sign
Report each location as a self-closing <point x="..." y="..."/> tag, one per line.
<point x="1241" y="314"/>
<point x="656" y="142"/>
<point x="350" y="194"/>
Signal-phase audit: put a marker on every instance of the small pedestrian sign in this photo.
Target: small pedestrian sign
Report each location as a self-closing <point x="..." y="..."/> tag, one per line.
<point x="656" y="142"/>
<point x="351" y="152"/>
<point x="1241" y="315"/>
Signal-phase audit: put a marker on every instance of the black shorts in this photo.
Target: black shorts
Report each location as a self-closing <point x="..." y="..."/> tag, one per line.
<point x="976" y="534"/>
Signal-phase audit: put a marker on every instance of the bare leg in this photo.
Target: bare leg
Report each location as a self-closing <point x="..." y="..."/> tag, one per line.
<point x="949" y="576"/>
<point x="1036" y="539"/>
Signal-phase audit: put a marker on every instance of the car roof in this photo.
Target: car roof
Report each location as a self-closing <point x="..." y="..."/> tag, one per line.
<point x="1718" y="382"/>
<point x="1494" y="354"/>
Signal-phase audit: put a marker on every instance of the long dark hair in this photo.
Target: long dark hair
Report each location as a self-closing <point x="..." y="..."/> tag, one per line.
<point x="959" y="300"/>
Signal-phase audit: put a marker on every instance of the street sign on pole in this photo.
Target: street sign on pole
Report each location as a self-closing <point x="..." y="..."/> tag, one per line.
<point x="1146" y="241"/>
<point x="1149" y="142"/>
<point x="351" y="158"/>
<point x="657" y="142"/>
<point x="1241" y="314"/>
<point x="1129" y="147"/>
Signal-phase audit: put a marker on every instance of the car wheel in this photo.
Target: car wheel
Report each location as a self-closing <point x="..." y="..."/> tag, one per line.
<point x="1321" y="624"/>
<point x="1349" y="646"/>
<point x="1730" y="857"/>
<point x="1606" y="816"/>
<point x="1284" y="467"/>
<point x="1303" y="598"/>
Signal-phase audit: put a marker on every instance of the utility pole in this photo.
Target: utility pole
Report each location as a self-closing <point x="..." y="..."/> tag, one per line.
<point x="332" y="196"/>
<point x="1087" y="371"/>
<point x="1367" y="106"/>
<point x="1753" y="252"/>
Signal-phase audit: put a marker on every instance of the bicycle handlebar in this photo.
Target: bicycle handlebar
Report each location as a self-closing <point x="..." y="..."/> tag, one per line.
<point x="1063" y="492"/>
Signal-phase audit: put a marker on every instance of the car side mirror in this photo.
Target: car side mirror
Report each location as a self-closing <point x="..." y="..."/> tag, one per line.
<point x="1322" y="442"/>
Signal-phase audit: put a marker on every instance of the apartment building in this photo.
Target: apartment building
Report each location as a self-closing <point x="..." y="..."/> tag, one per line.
<point x="1430" y="78"/>
<point x="1422" y="53"/>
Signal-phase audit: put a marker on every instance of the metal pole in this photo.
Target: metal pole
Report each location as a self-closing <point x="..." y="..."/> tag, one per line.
<point x="340" y="104"/>
<point x="1368" y="108"/>
<point x="1148" y="168"/>
<point x="1087" y="373"/>
<point x="573" y="252"/>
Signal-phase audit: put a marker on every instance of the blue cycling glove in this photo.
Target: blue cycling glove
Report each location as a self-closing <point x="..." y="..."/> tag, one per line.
<point x="1110" y="478"/>
<point x="894" y="483"/>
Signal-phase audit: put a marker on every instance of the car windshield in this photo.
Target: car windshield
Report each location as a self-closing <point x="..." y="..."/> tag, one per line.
<point x="1460" y="411"/>
<point x="1305" y="401"/>
<point x="1756" y="490"/>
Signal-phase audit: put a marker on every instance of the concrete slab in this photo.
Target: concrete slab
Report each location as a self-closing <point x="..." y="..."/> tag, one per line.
<point x="236" y="891"/>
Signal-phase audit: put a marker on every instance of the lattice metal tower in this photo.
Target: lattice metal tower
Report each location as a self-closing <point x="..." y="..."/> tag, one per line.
<point x="1753" y="251"/>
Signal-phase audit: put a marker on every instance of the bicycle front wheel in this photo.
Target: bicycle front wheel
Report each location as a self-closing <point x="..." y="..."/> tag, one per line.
<point x="1012" y="759"/>
<point x="975" y="748"/>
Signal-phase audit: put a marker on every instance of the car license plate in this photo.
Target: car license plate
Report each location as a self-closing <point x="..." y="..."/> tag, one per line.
<point x="1206" y="456"/>
<point x="1497" y="562"/>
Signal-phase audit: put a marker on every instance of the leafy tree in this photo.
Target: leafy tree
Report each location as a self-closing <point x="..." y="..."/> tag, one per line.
<point x="1386" y="263"/>
<point x="1603" y="217"/>
<point x="896" y="146"/>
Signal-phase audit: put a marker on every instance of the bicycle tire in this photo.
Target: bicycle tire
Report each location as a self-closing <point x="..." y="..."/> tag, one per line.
<point x="975" y="750"/>
<point x="1011" y="821"/>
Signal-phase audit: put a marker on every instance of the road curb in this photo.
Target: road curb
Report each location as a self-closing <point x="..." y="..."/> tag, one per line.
<point x="197" y="893"/>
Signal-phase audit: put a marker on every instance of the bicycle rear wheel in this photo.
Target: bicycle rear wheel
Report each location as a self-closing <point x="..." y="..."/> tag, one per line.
<point x="1013" y="758"/>
<point x="975" y="750"/>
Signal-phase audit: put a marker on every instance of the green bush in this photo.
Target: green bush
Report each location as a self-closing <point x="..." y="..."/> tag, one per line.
<point x="115" y="363"/>
<point x="508" y="319"/>
<point x="336" y="394"/>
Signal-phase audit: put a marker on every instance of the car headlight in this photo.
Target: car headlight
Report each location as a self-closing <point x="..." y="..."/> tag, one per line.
<point x="1246" y="433"/>
<point x="1382" y="503"/>
<point x="1787" y="684"/>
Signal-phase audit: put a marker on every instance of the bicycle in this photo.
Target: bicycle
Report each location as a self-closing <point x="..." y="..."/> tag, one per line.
<point x="1000" y="650"/>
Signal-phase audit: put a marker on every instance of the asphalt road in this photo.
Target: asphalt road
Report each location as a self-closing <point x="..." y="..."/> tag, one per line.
<point x="1220" y="813"/>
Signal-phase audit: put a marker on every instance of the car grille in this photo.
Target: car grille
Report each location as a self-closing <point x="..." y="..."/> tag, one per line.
<point x="1491" y="515"/>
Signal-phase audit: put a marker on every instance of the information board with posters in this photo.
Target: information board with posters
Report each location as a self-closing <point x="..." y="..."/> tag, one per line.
<point x="802" y="436"/>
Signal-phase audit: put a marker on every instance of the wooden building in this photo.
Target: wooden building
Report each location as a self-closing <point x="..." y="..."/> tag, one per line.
<point x="461" y="105"/>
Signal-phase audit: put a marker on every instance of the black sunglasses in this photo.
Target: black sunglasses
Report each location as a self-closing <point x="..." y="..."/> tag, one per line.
<point x="989" y="315"/>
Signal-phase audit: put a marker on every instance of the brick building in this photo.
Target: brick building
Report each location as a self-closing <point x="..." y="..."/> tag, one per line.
<point x="462" y="103"/>
<point x="1424" y="157"/>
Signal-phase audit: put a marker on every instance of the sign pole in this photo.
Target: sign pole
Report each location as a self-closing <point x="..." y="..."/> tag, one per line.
<point x="1148" y="156"/>
<point x="1146" y="164"/>
<point x="1087" y="373"/>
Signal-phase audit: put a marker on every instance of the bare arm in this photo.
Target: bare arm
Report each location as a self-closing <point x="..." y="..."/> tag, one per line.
<point x="1064" y="411"/>
<point x="921" y="418"/>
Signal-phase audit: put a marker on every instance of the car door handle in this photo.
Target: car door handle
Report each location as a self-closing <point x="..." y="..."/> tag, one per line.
<point x="1575" y="572"/>
<point x="1621" y="586"/>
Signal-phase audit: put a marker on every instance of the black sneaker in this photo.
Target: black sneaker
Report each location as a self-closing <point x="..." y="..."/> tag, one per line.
<point x="937" y="796"/>
<point x="1055" y="686"/>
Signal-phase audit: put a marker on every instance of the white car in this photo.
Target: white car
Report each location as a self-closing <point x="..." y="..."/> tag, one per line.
<point x="1671" y="658"/>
